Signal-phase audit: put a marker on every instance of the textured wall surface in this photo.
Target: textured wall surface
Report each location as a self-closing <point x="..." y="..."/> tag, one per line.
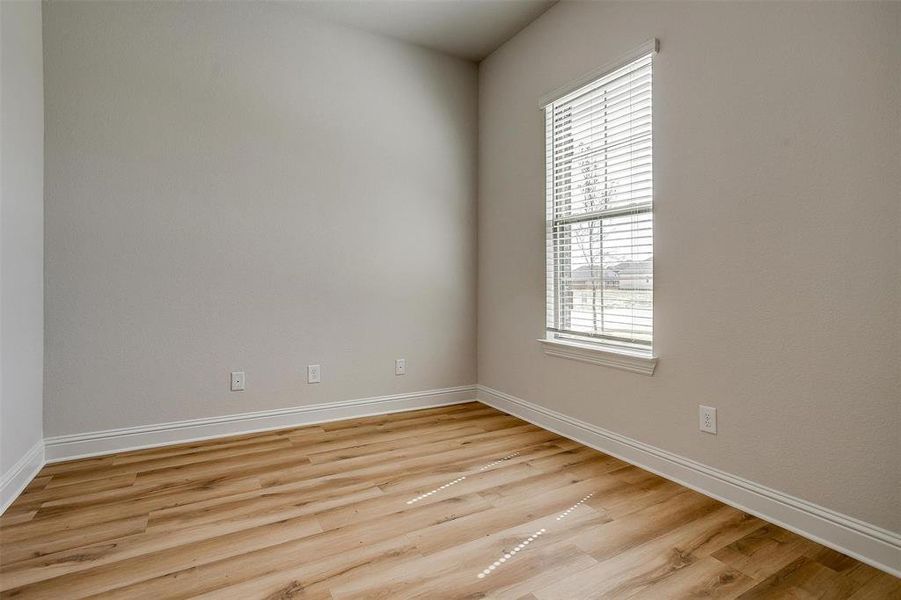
<point x="777" y="229"/>
<point x="21" y="230"/>
<point x="232" y="186"/>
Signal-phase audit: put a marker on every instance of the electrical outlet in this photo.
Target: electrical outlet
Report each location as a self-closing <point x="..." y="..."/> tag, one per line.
<point x="313" y="374"/>
<point x="400" y="366"/>
<point x="237" y="381"/>
<point x="708" y="419"/>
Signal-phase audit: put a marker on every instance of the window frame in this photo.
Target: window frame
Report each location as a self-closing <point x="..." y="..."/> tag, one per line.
<point x="593" y="347"/>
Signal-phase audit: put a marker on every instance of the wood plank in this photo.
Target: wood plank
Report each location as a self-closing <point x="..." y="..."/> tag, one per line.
<point x="40" y="546"/>
<point x="642" y="568"/>
<point x="764" y="551"/>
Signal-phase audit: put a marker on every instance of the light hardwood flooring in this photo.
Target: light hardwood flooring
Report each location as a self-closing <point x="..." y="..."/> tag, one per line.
<point x="454" y="502"/>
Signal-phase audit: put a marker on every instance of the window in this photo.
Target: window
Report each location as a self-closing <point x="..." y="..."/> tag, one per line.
<point x="600" y="275"/>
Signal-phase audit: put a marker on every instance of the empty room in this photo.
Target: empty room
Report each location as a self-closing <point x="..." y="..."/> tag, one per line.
<point x="450" y="299"/>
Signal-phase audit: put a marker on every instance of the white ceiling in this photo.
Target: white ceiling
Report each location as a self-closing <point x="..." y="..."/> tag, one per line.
<point x="470" y="29"/>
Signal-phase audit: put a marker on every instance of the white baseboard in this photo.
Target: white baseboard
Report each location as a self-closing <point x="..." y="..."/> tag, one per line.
<point x="82" y="445"/>
<point x="20" y="475"/>
<point x="868" y="543"/>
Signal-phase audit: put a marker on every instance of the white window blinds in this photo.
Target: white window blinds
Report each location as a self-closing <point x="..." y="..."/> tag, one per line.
<point x="599" y="220"/>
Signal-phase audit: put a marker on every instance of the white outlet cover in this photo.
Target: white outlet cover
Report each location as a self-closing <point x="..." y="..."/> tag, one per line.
<point x="313" y="374"/>
<point x="707" y="419"/>
<point x="400" y="366"/>
<point x="238" y="381"/>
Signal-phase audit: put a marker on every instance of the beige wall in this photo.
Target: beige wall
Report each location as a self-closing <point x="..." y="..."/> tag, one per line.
<point x="233" y="186"/>
<point x="21" y="231"/>
<point x="777" y="232"/>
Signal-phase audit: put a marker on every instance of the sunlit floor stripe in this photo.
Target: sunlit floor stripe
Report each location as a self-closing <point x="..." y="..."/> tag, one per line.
<point x="574" y="506"/>
<point x="498" y="461"/>
<point x="436" y="490"/>
<point x="508" y="555"/>
<point x="459" y="479"/>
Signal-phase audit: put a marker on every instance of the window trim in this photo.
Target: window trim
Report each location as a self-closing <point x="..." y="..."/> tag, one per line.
<point x="562" y="346"/>
<point x="600" y="355"/>
<point x="652" y="46"/>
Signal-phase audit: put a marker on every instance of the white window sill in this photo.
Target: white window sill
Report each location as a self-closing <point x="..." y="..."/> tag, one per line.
<point x="600" y="356"/>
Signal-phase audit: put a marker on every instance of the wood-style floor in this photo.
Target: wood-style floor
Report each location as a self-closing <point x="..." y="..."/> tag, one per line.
<point x="454" y="502"/>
